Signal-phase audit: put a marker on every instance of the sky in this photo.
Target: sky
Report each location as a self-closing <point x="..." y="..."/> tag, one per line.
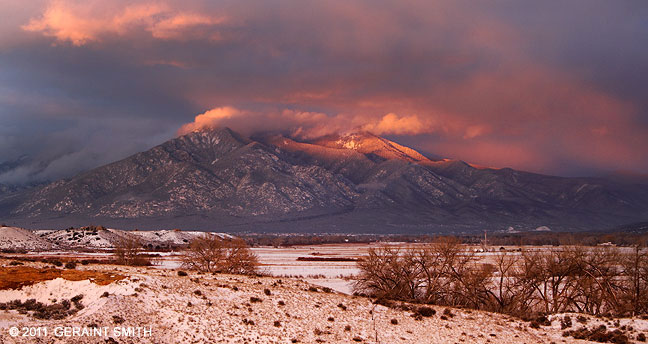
<point x="555" y="87"/>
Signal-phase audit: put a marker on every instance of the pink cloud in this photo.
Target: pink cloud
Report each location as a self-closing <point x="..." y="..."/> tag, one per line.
<point x="307" y="124"/>
<point x="81" y="23"/>
<point x="467" y="78"/>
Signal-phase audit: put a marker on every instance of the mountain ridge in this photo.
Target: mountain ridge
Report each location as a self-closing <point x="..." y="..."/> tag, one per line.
<point x="217" y="179"/>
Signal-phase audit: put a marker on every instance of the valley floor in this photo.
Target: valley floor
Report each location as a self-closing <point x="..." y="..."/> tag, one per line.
<point x="205" y="308"/>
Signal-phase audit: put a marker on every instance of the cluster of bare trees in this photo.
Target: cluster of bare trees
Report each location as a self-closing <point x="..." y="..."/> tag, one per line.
<point x="128" y="251"/>
<point x="591" y="280"/>
<point x="211" y="253"/>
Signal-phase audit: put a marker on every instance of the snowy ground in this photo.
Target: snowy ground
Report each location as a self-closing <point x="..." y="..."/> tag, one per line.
<point x="201" y="308"/>
<point x="279" y="262"/>
<point x="91" y="238"/>
<point x="22" y="239"/>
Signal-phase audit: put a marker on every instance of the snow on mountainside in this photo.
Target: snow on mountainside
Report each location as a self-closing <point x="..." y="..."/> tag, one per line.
<point x="216" y="179"/>
<point x="371" y="145"/>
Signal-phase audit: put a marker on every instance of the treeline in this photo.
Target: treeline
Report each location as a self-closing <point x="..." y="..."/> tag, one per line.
<point x="562" y="238"/>
<point x="494" y="239"/>
<point x="278" y="240"/>
<point x="591" y="280"/>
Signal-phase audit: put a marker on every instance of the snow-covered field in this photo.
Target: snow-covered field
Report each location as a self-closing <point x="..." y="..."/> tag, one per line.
<point x="279" y="262"/>
<point x="205" y="308"/>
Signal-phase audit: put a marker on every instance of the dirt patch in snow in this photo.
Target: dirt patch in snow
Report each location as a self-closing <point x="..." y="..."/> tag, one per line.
<point x="20" y="276"/>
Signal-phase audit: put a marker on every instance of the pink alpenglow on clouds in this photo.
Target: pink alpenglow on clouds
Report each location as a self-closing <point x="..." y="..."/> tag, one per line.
<point x="84" y="22"/>
<point x="530" y="85"/>
<point x="307" y="124"/>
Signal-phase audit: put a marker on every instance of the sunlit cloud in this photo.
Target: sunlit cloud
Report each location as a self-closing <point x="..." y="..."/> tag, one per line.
<point x="487" y="83"/>
<point x="80" y="23"/>
<point x="307" y="124"/>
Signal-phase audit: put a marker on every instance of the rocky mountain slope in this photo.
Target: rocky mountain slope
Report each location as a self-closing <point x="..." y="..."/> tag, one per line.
<point x="216" y="179"/>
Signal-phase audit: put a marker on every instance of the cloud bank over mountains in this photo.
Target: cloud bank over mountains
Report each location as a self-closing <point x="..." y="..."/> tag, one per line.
<point x="543" y="86"/>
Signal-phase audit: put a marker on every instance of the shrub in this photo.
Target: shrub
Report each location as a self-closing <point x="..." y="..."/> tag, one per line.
<point x="70" y="265"/>
<point x="394" y="321"/>
<point x="267" y="292"/>
<point x="599" y="334"/>
<point x="181" y="273"/>
<point x="426" y="311"/>
<point x="56" y="311"/>
<point x="566" y="322"/>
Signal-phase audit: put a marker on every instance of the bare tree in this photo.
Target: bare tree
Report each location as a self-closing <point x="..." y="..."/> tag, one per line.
<point x="635" y="271"/>
<point x="599" y="283"/>
<point x="568" y="279"/>
<point x="384" y="273"/>
<point x="508" y="293"/>
<point x="128" y="252"/>
<point x="211" y="253"/>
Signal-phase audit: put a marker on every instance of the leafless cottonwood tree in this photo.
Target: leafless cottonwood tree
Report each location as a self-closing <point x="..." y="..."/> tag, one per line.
<point x="508" y="294"/>
<point x="635" y="268"/>
<point x="128" y="252"/>
<point x="441" y="273"/>
<point x="211" y="253"/>
<point x="589" y="280"/>
<point x="385" y="274"/>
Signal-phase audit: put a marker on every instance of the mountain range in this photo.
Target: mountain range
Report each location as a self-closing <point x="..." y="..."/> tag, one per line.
<point x="217" y="179"/>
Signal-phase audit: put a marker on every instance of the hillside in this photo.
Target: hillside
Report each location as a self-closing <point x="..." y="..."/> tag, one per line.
<point x="13" y="238"/>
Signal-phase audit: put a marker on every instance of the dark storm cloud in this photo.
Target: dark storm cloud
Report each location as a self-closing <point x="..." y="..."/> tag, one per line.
<point x="546" y="86"/>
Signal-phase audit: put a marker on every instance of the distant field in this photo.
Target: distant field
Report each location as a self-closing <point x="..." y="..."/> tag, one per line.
<point x="329" y="265"/>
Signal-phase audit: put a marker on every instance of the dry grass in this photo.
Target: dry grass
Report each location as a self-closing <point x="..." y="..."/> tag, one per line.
<point x="19" y="276"/>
